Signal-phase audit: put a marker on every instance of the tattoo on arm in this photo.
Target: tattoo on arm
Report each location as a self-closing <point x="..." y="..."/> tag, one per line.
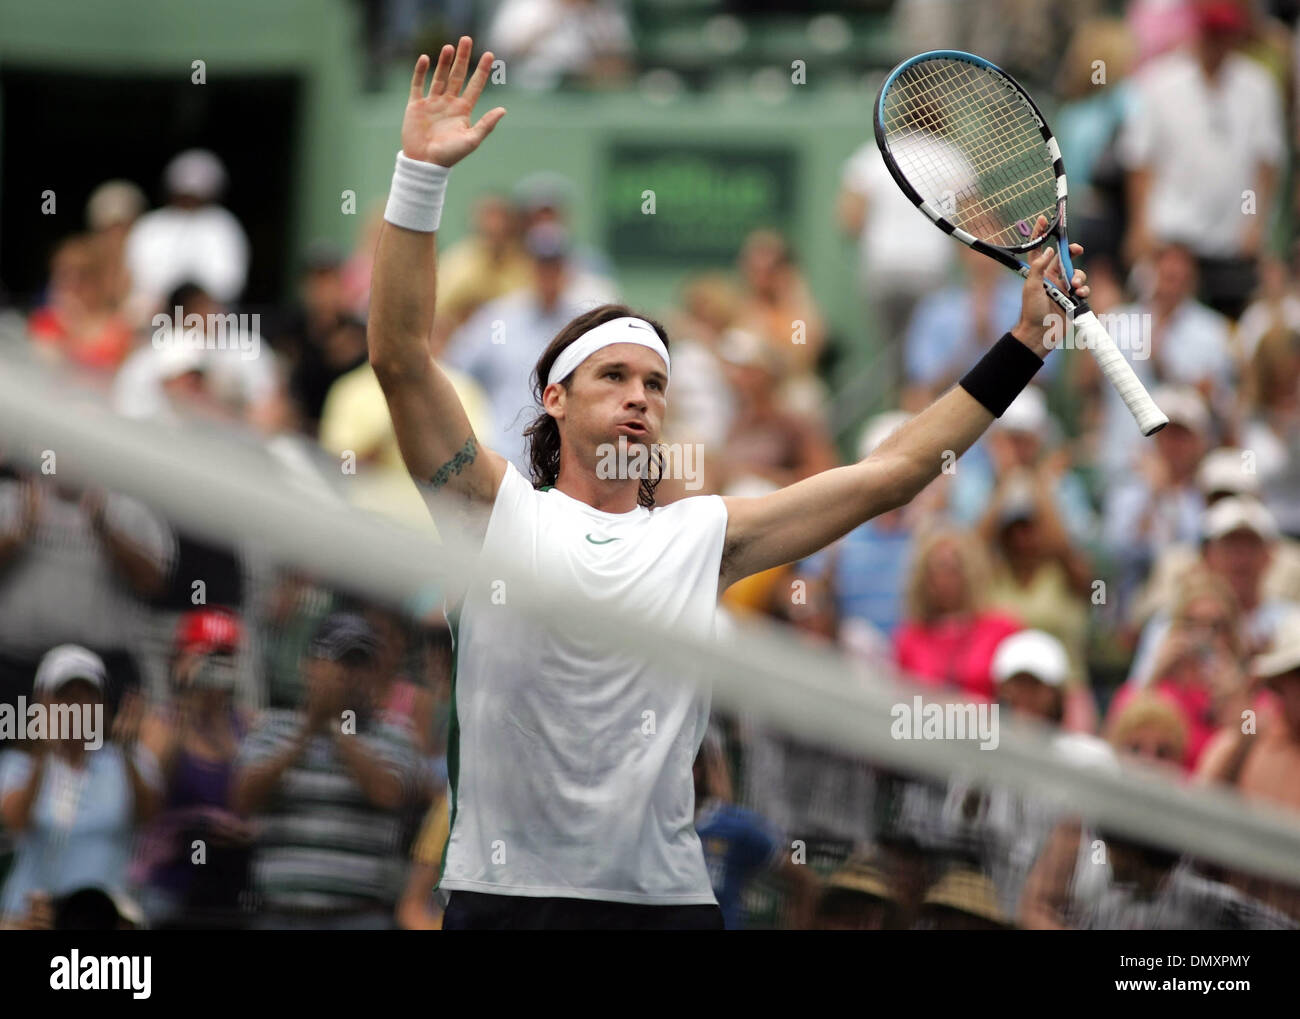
<point x="463" y="458"/>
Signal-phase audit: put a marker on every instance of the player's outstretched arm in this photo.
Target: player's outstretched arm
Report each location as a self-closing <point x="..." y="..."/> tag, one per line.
<point x="433" y="431"/>
<point x="796" y="521"/>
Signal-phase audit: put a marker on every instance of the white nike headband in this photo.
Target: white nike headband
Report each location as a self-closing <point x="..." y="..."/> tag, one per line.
<point x="618" y="330"/>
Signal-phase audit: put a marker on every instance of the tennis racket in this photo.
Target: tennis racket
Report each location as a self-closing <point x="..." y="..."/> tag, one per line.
<point x="973" y="152"/>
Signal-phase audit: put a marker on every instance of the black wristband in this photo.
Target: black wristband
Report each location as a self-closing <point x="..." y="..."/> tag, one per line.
<point x="1001" y="374"/>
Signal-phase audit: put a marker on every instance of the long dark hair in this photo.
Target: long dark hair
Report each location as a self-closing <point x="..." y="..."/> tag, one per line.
<point x="543" y="435"/>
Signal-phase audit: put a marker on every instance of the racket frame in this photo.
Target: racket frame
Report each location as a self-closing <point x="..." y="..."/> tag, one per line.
<point x="1007" y="255"/>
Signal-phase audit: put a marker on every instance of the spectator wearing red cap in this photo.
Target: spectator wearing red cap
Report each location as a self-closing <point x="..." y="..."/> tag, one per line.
<point x="193" y="864"/>
<point x="1207" y="131"/>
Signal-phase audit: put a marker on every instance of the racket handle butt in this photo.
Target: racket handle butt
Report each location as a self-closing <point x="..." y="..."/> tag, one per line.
<point x="1151" y="426"/>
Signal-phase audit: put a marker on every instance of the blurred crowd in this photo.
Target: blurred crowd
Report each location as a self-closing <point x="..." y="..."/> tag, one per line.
<point x="1139" y="597"/>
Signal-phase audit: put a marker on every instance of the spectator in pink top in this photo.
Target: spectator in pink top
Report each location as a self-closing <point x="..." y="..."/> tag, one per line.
<point x="948" y="637"/>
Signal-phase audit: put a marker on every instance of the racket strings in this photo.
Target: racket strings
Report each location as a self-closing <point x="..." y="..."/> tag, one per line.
<point x="993" y="123"/>
<point x="971" y="144"/>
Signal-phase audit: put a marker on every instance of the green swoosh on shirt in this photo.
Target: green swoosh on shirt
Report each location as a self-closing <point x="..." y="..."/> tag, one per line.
<point x="605" y="542"/>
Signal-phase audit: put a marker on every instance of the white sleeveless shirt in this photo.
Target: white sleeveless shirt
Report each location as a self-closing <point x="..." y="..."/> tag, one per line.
<point x="570" y="764"/>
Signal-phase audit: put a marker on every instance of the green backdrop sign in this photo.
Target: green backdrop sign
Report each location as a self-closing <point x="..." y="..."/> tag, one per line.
<point x="705" y="200"/>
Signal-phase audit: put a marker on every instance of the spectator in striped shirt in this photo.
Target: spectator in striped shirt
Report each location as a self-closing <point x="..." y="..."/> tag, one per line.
<point x="326" y="782"/>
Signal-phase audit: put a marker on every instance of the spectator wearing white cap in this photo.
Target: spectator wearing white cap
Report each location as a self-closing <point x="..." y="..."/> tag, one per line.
<point x="215" y="371"/>
<point x="1239" y="537"/>
<point x="1030" y="669"/>
<point x="1223" y="472"/>
<point x="1160" y="503"/>
<point x="1040" y="577"/>
<point x="190" y="238"/>
<point x="73" y="809"/>
<point x="1170" y="339"/>
<point x="1026" y="438"/>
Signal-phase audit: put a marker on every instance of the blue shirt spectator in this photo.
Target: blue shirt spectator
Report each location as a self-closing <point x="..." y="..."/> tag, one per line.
<point x="868" y="568"/>
<point x="944" y="339"/>
<point x="80" y="829"/>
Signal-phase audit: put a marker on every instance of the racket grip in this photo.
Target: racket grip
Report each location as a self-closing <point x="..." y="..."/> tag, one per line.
<point x="1090" y="333"/>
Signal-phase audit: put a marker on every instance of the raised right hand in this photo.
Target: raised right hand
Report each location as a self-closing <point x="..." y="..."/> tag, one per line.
<point x="436" y="128"/>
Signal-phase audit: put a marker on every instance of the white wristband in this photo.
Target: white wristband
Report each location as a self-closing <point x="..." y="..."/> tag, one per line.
<point x="415" y="199"/>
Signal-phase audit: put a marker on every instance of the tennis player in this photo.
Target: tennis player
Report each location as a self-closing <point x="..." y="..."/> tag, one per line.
<point x="570" y="765"/>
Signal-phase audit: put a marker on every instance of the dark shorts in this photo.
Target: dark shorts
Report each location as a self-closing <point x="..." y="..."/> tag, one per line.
<point x="475" y="911"/>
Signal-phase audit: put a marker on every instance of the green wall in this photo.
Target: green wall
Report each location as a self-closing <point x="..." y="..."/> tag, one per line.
<point x="347" y="138"/>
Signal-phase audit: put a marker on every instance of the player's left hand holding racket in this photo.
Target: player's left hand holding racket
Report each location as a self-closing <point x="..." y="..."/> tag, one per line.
<point x="971" y="150"/>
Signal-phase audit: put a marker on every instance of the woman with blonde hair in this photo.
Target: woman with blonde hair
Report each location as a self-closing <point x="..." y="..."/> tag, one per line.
<point x="948" y="635"/>
<point x="1271" y="426"/>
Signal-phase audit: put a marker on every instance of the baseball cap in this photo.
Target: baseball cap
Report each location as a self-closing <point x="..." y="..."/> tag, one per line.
<point x="1184" y="406"/>
<point x="880" y="428"/>
<point x="177" y="358"/>
<point x="1018" y="502"/>
<point x="1027" y="413"/>
<point x="1237" y="513"/>
<point x="1222" y="470"/>
<point x="342" y="634"/>
<point x="65" y="663"/>
<point x="195" y="172"/>
<point x="1222" y="16"/>
<point x="544" y="189"/>
<point x="208" y="630"/>
<point x="1284" y="653"/>
<point x="1032" y="651"/>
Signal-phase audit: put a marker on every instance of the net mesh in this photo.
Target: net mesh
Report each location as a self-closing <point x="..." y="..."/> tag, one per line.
<point x="816" y="809"/>
<point x="970" y="144"/>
